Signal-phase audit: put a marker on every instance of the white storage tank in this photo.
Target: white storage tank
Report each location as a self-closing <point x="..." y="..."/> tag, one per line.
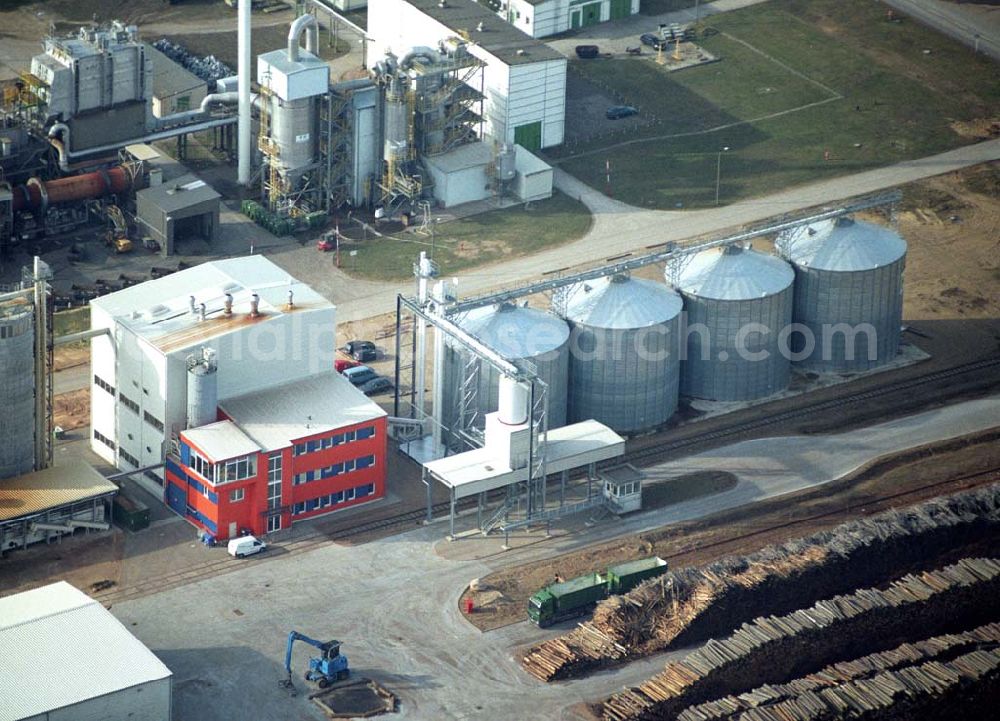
<point x="848" y="293"/>
<point x="17" y="374"/>
<point x="516" y="333"/>
<point x="202" y="389"/>
<point x="737" y="301"/>
<point x="624" y="367"/>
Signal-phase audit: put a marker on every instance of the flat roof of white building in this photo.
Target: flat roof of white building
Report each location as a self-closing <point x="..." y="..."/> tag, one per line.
<point x="276" y="417"/>
<point x="160" y="310"/>
<point x="59" y="647"/>
<point x="572" y="446"/>
<point x="221" y="441"/>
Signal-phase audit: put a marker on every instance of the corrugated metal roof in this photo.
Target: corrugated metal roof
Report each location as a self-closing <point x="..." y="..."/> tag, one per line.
<point x="621" y="303"/>
<point x="842" y="244"/>
<point x="159" y="310"/>
<point x="516" y="331"/>
<point x="277" y="416"/>
<point x="68" y="482"/>
<point x="59" y="647"/>
<point x="734" y="273"/>
<point x="221" y="441"/>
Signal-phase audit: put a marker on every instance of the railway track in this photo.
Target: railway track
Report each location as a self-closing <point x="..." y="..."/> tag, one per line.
<point x="645" y="454"/>
<point x="317" y="539"/>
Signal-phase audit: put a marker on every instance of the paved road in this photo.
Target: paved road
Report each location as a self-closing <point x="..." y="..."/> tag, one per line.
<point x="620" y="228"/>
<point x="393" y="602"/>
<point x="977" y="26"/>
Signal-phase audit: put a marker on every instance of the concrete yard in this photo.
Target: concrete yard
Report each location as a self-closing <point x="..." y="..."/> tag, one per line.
<point x="393" y="602"/>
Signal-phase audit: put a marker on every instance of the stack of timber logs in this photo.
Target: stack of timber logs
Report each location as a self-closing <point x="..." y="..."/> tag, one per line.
<point x="777" y="648"/>
<point x="688" y="605"/>
<point x="908" y="655"/>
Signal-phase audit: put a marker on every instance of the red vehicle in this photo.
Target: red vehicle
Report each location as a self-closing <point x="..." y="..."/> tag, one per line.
<point x="342" y="364"/>
<point x="326" y="244"/>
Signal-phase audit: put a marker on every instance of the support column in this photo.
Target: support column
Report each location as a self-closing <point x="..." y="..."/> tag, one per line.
<point x="427" y="482"/>
<point x="451" y="520"/>
<point x="243" y="86"/>
<point x="562" y="487"/>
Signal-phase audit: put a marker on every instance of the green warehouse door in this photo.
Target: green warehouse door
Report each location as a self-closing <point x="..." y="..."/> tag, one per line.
<point x="591" y="14"/>
<point x="529" y="136"/>
<point x="620" y="9"/>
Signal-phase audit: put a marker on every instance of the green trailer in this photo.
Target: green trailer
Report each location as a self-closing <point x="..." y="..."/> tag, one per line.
<point x="626" y="576"/>
<point x="567" y="599"/>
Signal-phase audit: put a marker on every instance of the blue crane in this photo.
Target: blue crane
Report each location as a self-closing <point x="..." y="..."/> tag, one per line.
<point x="330" y="666"/>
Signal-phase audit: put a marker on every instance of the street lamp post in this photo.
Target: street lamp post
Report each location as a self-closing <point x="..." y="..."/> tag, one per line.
<point x="718" y="172"/>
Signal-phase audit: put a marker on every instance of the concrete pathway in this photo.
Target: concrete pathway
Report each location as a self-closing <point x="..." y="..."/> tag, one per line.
<point x="621" y="228"/>
<point x="393" y="602"/>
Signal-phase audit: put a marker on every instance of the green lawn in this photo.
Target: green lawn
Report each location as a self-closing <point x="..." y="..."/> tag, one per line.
<point x="473" y="241"/>
<point x="897" y="103"/>
<point x="658" y="7"/>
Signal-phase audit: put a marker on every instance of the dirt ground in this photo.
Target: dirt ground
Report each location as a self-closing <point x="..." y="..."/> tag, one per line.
<point x="72" y="410"/>
<point x="501" y="597"/>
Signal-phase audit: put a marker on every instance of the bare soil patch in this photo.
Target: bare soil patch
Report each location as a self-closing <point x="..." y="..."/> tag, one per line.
<point x="72" y="410"/>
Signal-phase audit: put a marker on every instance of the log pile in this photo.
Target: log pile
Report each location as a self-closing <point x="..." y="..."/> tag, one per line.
<point x="838" y="675"/>
<point x="689" y="605"/>
<point x="775" y="648"/>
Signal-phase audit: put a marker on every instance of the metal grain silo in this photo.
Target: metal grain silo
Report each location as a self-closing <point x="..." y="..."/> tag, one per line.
<point x="848" y="293"/>
<point x="736" y="302"/>
<point x="624" y="367"/>
<point x="17" y="378"/>
<point x="517" y="333"/>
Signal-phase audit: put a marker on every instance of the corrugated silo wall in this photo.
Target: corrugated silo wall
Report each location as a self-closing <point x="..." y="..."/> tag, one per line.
<point x="714" y="368"/>
<point x="553" y="369"/>
<point x="826" y="299"/>
<point x="17" y="375"/>
<point x="628" y="379"/>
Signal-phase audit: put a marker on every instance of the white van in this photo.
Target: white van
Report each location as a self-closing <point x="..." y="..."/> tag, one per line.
<point x="245" y="546"/>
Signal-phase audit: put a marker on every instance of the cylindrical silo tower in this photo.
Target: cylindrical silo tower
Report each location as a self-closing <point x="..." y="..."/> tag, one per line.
<point x="737" y="301"/>
<point x="17" y="376"/>
<point x="516" y="333"/>
<point x="293" y="130"/>
<point x="624" y="367"/>
<point x="848" y="293"/>
<point x="202" y="389"/>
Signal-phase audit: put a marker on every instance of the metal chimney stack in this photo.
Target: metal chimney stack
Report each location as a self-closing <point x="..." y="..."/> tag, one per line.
<point x="243" y="88"/>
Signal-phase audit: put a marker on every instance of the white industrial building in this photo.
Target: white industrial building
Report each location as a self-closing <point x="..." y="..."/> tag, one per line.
<point x="260" y="327"/>
<point x="522" y="79"/>
<point x="541" y="18"/>
<point x="64" y="657"/>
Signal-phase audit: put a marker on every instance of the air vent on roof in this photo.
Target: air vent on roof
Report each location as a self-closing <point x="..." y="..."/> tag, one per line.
<point x="520" y="51"/>
<point x="159" y="309"/>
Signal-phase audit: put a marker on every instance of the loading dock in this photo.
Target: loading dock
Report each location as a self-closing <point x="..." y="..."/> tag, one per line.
<point x="184" y="208"/>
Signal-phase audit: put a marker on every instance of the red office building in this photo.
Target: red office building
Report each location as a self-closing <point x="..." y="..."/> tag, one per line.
<point x="278" y="456"/>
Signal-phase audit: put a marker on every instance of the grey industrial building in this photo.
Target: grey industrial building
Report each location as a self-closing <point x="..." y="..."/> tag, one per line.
<point x="64" y="657"/>
<point x="180" y="209"/>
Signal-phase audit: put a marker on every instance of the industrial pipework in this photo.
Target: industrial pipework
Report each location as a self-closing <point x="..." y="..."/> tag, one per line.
<point x="300" y="25"/>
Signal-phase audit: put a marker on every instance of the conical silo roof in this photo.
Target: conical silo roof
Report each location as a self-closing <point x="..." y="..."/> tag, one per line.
<point x="734" y="273"/>
<point x="621" y="302"/>
<point x="517" y="331"/>
<point x="841" y="244"/>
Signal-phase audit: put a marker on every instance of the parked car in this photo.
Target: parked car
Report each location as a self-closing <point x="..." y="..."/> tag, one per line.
<point x="359" y="375"/>
<point x="653" y="41"/>
<point x="361" y="350"/>
<point x="245" y="546"/>
<point x="342" y="364"/>
<point x="326" y="244"/>
<point x="615" y="112"/>
<point x="587" y="51"/>
<point x="379" y="384"/>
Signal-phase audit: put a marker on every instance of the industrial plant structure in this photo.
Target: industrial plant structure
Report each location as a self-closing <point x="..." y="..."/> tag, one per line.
<point x="454" y="103"/>
<point x="848" y="293"/>
<point x="718" y="329"/>
<point x="542" y="18"/>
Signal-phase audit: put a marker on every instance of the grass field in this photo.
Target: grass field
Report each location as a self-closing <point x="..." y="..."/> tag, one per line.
<point x="474" y="241"/>
<point x="881" y="99"/>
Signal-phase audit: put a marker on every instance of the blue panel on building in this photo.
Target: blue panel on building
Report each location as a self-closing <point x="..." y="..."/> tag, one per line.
<point x="176" y="498"/>
<point x="185" y="454"/>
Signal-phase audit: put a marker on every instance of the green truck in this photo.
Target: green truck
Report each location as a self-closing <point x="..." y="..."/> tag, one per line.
<point x="576" y="596"/>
